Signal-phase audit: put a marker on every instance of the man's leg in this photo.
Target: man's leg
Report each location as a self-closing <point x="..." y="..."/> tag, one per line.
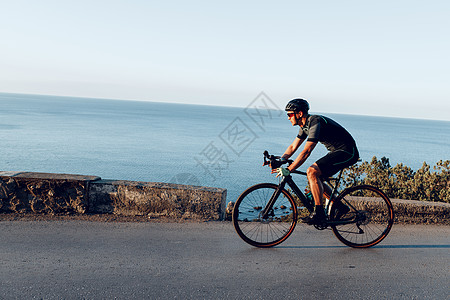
<point x="317" y="187"/>
<point x="313" y="174"/>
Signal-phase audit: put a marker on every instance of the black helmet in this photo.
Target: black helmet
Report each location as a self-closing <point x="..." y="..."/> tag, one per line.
<point x="297" y="105"/>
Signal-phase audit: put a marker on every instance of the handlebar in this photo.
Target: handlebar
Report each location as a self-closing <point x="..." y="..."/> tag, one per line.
<point x="276" y="162"/>
<point x="272" y="160"/>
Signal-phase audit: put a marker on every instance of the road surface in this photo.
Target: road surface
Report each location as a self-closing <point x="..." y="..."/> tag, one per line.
<point x="100" y="260"/>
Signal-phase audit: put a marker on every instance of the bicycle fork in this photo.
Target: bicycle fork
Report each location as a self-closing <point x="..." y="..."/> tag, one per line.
<point x="268" y="210"/>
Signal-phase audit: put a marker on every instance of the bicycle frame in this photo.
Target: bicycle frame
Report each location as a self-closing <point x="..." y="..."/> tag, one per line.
<point x="287" y="180"/>
<point x="301" y="196"/>
<point x="264" y="222"/>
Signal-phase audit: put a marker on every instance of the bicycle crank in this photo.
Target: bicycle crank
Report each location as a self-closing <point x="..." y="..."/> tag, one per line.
<point x="360" y="229"/>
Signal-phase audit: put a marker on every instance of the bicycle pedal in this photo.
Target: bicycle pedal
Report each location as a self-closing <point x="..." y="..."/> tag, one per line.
<point x="322" y="226"/>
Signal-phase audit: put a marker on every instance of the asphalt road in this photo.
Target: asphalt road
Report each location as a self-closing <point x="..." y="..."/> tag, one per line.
<point x="96" y="260"/>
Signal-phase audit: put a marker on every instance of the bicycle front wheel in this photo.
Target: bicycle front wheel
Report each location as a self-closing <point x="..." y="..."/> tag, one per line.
<point x="267" y="231"/>
<point x="366" y="221"/>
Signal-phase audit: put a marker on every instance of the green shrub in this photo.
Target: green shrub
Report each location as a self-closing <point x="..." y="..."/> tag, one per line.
<point x="401" y="181"/>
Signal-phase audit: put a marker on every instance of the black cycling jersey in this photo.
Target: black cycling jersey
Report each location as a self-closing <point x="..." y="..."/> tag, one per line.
<point x="328" y="132"/>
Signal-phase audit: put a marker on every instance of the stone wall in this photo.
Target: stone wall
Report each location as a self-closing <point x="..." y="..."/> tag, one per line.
<point x="157" y="199"/>
<point x="44" y="193"/>
<point x="421" y="212"/>
<point x="407" y="211"/>
<point x="26" y="192"/>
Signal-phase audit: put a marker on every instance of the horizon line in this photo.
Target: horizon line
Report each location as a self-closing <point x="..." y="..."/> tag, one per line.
<point x="213" y="105"/>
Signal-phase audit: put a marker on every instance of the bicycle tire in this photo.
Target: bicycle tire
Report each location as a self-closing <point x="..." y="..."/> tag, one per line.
<point x="371" y="216"/>
<point x="268" y="232"/>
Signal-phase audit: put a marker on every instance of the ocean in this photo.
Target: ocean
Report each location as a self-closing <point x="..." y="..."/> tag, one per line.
<point x="186" y="144"/>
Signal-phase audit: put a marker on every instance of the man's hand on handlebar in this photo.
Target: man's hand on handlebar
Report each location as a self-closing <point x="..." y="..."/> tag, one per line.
<point x="275" y="163"/>
<point x="281" y="172"/>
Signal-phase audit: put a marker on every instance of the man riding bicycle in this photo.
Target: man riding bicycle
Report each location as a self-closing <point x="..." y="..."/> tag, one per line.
<point x="343" y="153"/>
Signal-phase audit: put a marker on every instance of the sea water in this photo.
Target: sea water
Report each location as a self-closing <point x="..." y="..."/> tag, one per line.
<point x="187" y="144"/>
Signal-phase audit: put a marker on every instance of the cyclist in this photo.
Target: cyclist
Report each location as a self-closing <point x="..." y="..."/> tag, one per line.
<point x="340" y="144"/>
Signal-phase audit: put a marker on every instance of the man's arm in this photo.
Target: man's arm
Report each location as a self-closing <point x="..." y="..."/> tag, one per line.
<point x="292" y="148"/>
<point x="309" y="147"/>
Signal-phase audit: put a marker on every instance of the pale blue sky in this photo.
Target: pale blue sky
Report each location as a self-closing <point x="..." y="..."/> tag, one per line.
<point x="381" y="57"/>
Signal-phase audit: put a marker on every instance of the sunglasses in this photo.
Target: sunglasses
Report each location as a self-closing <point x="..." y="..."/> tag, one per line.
<point x="290" y="115"/>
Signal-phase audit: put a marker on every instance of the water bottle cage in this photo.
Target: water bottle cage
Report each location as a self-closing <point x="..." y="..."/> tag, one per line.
<point x="309" y="197"/>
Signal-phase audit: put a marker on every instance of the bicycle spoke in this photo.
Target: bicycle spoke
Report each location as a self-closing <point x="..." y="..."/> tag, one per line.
<point x="271" y="230"/>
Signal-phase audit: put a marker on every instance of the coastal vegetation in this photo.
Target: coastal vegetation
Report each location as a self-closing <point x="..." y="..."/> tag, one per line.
<point x="401" y="182"/>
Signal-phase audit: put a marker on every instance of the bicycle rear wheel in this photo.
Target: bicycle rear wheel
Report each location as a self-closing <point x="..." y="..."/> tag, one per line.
<point x="252" y="227"/>
<point x="369" y="219"/>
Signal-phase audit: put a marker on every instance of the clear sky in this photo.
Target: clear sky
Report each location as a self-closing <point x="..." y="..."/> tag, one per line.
<point x="386" y="57"/>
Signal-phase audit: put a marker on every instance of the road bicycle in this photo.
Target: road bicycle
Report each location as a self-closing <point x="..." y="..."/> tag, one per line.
<point x="265" y="214"/>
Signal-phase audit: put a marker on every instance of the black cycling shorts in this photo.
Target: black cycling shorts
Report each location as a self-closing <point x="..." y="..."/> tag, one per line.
<point x="337" y="160"/>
